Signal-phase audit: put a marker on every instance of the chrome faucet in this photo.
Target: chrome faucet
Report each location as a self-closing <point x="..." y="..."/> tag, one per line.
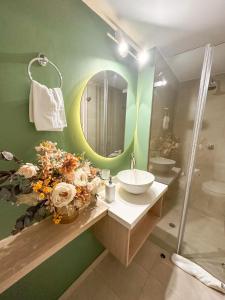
<point x="132" y="161"/>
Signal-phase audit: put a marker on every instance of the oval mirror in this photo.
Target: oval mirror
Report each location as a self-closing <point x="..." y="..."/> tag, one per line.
<point x="103" y="113"/>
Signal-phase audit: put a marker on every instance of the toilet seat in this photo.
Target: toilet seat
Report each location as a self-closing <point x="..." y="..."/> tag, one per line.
<point x="214" y="188"/>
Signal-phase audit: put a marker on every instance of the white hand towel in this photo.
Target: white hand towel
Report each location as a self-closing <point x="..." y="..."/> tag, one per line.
<point x="166" y="121"/>
<point x="198" y="272"/>
<point x="46" y="108"/>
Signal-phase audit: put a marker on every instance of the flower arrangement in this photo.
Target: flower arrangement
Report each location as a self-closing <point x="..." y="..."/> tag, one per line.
<point x="167" y="145"/>
<point x="62" y="184"/>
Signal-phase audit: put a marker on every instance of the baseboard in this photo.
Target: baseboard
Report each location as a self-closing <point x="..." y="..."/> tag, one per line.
<point x="67" y="294"/>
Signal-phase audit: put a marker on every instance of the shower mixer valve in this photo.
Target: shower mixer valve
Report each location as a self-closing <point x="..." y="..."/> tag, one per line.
<point x="211" y="146"/>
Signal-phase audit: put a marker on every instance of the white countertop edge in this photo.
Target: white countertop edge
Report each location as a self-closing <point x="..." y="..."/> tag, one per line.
<point x="121" y="221"/>
<point x="132" y="225"/>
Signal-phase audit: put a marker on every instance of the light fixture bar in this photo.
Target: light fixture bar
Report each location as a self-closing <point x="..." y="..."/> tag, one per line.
<point x="117" y="42"/>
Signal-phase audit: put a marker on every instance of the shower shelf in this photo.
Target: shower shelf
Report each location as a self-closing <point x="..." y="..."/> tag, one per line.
<point x="23" y="252"/>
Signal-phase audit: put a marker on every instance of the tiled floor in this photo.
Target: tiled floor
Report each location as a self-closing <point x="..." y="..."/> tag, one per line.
<point x="149" y="277"/>
<point x="204" y="238"/>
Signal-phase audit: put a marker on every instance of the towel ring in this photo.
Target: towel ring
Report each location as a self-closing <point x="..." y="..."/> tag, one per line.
<point x="43" y="61"/>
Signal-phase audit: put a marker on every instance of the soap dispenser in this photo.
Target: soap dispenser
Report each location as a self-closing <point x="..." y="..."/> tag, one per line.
<point x="110" y="191"/>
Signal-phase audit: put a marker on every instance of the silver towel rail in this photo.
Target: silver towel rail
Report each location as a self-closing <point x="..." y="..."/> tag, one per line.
<point x="43" y="61"/>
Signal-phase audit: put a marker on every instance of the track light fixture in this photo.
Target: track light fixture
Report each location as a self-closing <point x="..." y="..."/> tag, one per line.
<point x="143" y="57"/>
<point x="125" y="47"/>
<point x="159" y="83"/>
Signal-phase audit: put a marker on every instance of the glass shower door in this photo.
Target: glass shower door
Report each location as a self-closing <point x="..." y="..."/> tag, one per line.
<point x="177" y="99"/>
<point x="203" y="236"/>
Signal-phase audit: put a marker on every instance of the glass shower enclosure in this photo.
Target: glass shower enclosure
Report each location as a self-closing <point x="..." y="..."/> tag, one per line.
<point x="202" y="229"/>
<point x="193" y="97"/>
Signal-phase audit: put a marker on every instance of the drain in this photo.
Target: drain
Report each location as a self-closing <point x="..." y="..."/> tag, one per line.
<point x="223" y="265"/>
<point x="162" y="255"/>
<point x="172" y="225"/>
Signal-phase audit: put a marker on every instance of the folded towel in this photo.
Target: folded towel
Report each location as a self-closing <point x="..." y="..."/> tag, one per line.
<point x="46" y="108"/>
<point x="166" y="122"/>
<point x="198" y="272"/>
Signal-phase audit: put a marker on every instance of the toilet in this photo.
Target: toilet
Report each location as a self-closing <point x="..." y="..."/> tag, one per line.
<point x="214" y="188"/>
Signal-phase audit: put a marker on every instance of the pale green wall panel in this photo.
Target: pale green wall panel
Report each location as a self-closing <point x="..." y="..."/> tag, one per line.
<point x="144" y="108"/>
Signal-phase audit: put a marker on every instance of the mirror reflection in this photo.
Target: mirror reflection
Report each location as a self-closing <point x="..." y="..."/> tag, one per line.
<point x="103" y="113"/>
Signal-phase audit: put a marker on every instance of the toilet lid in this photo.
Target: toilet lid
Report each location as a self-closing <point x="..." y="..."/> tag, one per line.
<point x="214" y="188"/>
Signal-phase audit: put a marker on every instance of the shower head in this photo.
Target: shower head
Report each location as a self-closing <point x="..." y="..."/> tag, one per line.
<point x="212" y="84"/>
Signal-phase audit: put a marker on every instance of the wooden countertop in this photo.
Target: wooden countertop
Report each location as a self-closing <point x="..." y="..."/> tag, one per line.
<point x="23" y="252"/>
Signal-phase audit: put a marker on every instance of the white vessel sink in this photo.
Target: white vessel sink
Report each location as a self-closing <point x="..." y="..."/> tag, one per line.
<point x="135" y="181"/>
<point x="161" y="164"/>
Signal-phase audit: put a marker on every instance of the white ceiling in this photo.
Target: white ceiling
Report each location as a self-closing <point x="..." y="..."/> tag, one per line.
<point x="173" y="26"/>
<point x="188" y="65"/>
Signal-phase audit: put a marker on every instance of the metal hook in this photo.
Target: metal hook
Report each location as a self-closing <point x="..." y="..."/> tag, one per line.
<point x="42" y="59"/>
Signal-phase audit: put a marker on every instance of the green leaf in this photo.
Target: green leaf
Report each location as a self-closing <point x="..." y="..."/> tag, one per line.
<point x="42" y="211"/>
<point x="5" y="194"/>
<point x="27" y="221"/>
<point x="19" y="224"/>
<point x="25" y="186"/>
<point x="37" y="217"/>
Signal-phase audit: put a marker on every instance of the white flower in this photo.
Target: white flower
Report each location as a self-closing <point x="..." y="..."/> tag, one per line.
<point x="86" y="168"/>
<point x="78" y="203"/>
<point x="7" y="155"/>
<point x="62" y="194"/>
<point x="94" y="185"/>
<point x="28" y="170"/>
<point x="80" y="177"/>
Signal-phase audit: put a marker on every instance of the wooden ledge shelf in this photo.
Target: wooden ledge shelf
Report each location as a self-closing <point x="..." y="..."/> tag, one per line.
<point x="23" y="252"/>
<point x="122" y="227"/>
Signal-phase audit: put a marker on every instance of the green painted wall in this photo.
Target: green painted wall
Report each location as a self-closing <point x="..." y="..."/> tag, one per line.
<point x="75" y="39"/>
<point x="51" y="278"/>
<point x="144" y="108"/>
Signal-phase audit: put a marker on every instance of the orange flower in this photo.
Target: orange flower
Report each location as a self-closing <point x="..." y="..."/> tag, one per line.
<point x="69" y="177"/>
<point x="47" y="190"/>
<point x="83" y="194"/>
<point x="70" y="164"/>
<point x="47" y="181"/>
<point x="41" y="196"/>
<point x="94" y="171"/>
<point x="37" y="186"/>
<point x="55" y="182"/>
<point x="46" y="146"/>
<point x="57" y="218"/>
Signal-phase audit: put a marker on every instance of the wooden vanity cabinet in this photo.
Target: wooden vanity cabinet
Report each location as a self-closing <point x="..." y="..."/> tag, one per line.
<point x="124" y="242"/>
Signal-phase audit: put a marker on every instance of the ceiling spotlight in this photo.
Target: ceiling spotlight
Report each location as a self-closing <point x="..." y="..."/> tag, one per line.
<point x="123" y="48"/>
<point x="159" y="83"/>
<point x="143" y="57"/>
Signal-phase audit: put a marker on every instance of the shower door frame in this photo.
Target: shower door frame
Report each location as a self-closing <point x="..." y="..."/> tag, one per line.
<point x="202" y="97"/>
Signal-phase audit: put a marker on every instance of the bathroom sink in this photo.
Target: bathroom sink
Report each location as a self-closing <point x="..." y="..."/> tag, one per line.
<point x="161" y="164"/>
<point x="135" y="181"/>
